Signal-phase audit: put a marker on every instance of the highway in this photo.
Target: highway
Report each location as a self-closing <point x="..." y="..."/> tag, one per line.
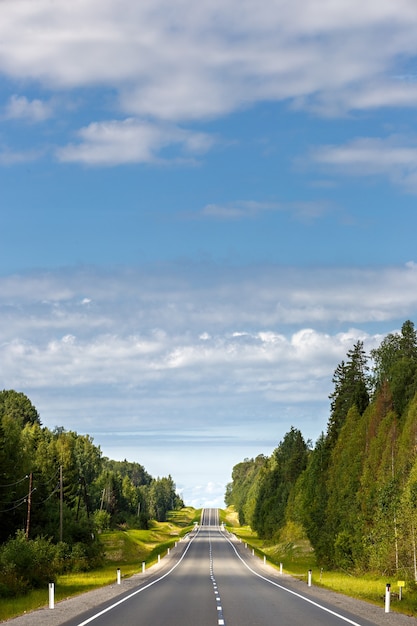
<point x="211" y="579"/>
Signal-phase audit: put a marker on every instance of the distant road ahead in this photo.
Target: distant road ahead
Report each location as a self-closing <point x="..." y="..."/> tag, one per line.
<point x="212" y="580"/>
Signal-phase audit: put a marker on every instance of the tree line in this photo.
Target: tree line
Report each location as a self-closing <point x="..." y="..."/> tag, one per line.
<point x="354" y="493"/>
<point x="58" y="492"/>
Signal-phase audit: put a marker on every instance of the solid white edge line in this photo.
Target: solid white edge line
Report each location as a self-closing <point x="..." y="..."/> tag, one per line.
<point x="131" y="595"/>
<point x="294" y="593"/>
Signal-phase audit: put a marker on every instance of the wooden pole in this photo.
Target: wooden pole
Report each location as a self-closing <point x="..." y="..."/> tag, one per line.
<point x="61" y="504"/>
<point x="29" y="505"/>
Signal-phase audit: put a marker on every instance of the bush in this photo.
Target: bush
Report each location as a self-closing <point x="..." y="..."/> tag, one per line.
<point x="343" y="550"/>
<point x="12" y="584"/>
<point x="30" y="564"/>
<point x="79" y="558"/>
<point x="26" y="564"/>
<point x="102" y="520"/>
<point x="44" y="562"/>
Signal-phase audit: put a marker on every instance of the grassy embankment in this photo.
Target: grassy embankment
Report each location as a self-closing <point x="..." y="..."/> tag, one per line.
<point x="297" y="557"/>
<point x="126" y="549"/>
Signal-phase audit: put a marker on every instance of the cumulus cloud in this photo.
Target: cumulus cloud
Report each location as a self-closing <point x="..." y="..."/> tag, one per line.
<point x="167" y="66"/>
<point x="262" y="333"/>
<point x="194" y="60"/>
<point x="394" y="157"/>
<point x="20" y="108"/>
<point x="376" y="94"/>
<point x="191" y="366"/>
<point x="130" y="141"/>
<point x="232" y="299"/>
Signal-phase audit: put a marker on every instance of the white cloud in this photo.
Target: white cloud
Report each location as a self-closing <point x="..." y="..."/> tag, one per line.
<point x="394" y="157"/>
<point x="15" y="157"/>
<point x="229" y="299"/>
<point x="20" y="108"/>
<point x="130" y="141"/>
<point x="252" y="330"/>
<point x="190" y="60"/>
<point x="188" y="367"/>
<point x="243" y="209"/>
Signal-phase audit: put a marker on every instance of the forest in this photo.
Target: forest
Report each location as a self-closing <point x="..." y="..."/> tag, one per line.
<point x="58" y="492"/>
<point x="353" y="493"/>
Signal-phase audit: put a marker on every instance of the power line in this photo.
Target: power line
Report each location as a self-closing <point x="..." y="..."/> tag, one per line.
<point x="16" y="483"/>
<point x="16" y="504"/>
<point x="48" y="482"/>
<point x="50" y="495"/>
<point x="13" y="508"/>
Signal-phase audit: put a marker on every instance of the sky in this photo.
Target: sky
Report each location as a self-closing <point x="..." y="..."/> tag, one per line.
<point x="204" y="206"/>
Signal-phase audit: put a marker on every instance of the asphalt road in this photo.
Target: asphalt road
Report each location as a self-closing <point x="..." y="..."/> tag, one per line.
<point x="216" y="581"/>
<point x="212" y="579"/>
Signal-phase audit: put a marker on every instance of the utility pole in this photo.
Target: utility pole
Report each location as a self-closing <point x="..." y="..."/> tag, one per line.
<point x="102" y="499"/>
<point x="29" y="505"/>
<point x="61" y="504"/>
<point x="87" y="507"/>
<point x="79" y="499"/>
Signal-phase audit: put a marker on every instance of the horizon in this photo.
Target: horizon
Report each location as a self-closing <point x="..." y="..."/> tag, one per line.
<point x="203" y="209"/>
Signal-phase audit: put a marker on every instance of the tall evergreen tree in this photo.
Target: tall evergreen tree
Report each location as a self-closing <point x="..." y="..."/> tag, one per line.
<point x="351" y="389"/>
<point x="395" y="364"/>
<point x="344" y="475"/>
<point x="276" y="482"/>
<point x="242" y="491"/>
<point x="17" y="406"/>
<point x="314" y="500"/>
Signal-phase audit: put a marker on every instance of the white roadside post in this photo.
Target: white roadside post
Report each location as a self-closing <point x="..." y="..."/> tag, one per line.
<point x="280" y="568"/>
<point x="143" y="567"/>
<point x="387" y="597"/>
<point x="51" y="595"/>
<point x="119" y="578"/>
<point x="309" y="577"/>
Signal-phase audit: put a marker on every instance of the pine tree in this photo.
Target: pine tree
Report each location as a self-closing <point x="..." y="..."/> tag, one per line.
<point x="395" y="364"/>
<point x="351" y="389"/>
<point x="278" y="478"/>
<point x="314" y="499"/>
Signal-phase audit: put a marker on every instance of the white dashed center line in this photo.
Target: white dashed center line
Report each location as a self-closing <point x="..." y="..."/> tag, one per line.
<point x="220" y="618"/>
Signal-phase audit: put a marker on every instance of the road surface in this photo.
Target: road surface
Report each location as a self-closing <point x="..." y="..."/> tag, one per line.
<point x="213" y="580"/>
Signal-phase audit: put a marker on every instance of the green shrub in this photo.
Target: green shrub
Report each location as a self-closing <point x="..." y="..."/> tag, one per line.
<point x="102" y="520"/>
<point x="26" y="564"/>
<point x="79" y="558"/>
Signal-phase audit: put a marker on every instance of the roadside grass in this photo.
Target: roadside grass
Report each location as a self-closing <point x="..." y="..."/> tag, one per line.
<point x="297" y="558"/>
<point x="125" y="549"/>
<point x="128" y="548"/>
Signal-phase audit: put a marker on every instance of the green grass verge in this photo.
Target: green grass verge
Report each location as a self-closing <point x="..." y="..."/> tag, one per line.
<point x="127" y="549"/>
<point x="124" y="549"/>
<point x="297" y="558"/>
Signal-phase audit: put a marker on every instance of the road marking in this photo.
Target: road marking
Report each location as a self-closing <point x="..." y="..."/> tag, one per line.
<point x="221" y="621"/>
<point x="220" y="617"/>
<point x="294" y="593"/>
<point x="131" y="595"/>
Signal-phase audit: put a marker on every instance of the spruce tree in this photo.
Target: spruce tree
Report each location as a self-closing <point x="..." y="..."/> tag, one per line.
<point x="351" y="389"/>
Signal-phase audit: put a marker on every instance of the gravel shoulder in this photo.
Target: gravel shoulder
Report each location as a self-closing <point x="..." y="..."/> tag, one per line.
<point x="76" y="606"/>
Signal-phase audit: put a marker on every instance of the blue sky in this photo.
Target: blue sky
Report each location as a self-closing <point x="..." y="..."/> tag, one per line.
<point x="203" y="207"/>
